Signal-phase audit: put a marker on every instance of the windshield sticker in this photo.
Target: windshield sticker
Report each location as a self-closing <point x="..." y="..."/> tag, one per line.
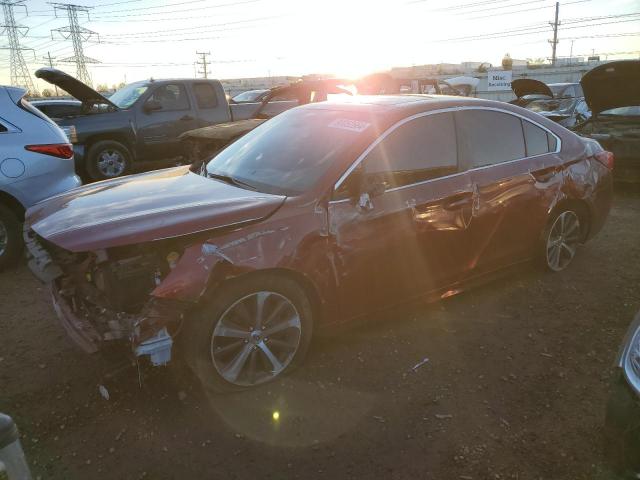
<point x="351" y="125"/>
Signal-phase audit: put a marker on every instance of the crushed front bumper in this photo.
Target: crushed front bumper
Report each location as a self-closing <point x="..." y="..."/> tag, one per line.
<point x="79" y="330"/>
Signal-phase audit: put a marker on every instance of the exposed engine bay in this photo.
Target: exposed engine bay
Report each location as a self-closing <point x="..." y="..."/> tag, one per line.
<point x="106" y="295"/>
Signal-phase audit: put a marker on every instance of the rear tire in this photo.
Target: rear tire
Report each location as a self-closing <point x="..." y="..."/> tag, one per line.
<point x="560" y="239"/>
<point x="10" y="238"/>
<point x="230" y="346"/>
<point x="108" y="159"/>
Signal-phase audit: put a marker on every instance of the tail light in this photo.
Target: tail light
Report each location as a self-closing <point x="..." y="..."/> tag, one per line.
<point x="60" y="150"/>
<point x="605" y="158"/>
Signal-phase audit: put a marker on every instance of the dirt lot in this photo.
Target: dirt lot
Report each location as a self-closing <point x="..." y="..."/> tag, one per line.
<point x="515" y="388"/>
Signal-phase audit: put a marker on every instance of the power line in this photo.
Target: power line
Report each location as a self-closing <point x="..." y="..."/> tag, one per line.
<point x="202" y="28"/>
<point x="18" y="72"/>
<point x="177" y="11"/>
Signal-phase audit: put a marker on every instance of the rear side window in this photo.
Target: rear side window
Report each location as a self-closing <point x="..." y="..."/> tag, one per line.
<point x="3" y="128"/>
<point x="205" y="95"/>
<point x="535" y="138"/>
<point x="553" y="143"/>
<point x="487" y="137"/>
<point x="422" y="149"/>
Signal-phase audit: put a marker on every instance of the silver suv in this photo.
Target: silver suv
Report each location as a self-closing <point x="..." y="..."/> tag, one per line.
<point x="36" y="162"/>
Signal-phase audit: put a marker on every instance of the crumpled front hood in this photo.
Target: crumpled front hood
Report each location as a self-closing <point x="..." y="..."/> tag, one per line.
<point x="146" y="207"/>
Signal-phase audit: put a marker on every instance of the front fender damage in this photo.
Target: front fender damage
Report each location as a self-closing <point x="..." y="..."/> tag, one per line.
<point x="138" y="297"/>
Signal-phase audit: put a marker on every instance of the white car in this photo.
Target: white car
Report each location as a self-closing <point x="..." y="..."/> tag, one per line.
<point x="36" y="162"/>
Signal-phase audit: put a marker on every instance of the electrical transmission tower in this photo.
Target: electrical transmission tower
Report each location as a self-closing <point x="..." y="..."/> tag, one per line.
<point x="78" y="35"/>
<point x="204" y="63"/>
<point x="18" y="72"/>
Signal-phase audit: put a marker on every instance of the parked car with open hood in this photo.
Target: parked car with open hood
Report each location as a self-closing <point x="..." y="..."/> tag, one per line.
<point x="622" y="425"/>
<point x="36" y="162"/>
<point x="612" y="91"/>
<point x="140" y="122"/>
<point x="321" y="215"/>
<point x="563" y="103"/>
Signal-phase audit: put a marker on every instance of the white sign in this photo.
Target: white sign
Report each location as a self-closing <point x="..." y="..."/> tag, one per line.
<point x="499" y="80"/>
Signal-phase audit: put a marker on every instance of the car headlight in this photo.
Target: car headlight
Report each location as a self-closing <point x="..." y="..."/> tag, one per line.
<point x="70" y="132"/>
<point x="629" y="359"/>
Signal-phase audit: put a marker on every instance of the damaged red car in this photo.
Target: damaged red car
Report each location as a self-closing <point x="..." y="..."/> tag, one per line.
<point x="321" y="215"/>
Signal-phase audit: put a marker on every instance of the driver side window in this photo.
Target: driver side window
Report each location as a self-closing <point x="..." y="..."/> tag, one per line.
<point x="421" y="149"/>
<point x="171" y="97"/>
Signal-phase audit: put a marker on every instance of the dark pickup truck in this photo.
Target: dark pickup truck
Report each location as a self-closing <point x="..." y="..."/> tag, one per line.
<point x="141" y="122"/>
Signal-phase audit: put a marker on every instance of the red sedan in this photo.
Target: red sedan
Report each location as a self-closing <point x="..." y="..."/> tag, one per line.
<point x="324" y="214"/>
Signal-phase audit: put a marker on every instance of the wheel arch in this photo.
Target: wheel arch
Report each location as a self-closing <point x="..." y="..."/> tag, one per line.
<point x="308" y="286"/>
<point x="13" y="204"/>
<point x="113" y="137"/>
<point x="581" y="207"/>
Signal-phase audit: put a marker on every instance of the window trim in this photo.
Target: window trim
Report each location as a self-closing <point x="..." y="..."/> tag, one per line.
<point x="10" y="127"/>
<point x="401" y="122"/>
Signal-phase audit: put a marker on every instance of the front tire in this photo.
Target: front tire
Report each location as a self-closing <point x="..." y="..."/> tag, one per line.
<point x="10" y="238"/>
<point x="108" y="159"/>
<point x="560" y="240"/>
<point x="254" y="331"/>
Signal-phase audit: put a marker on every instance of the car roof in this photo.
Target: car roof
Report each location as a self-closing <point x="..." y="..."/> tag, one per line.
<point x="388" y="109"/>
<point x="400" y="105"/>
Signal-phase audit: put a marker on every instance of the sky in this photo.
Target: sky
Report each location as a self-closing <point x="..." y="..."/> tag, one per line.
<point x="138" y="39"/>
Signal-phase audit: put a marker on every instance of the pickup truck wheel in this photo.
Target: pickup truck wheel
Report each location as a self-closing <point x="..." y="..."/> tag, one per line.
<point x="10" y="238"/>
<point x="252" y="332"/>
<point x="108" y="159"/>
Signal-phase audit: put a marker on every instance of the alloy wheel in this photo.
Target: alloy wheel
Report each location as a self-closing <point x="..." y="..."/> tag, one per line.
<point x="4" y="238"/>
<point x="256" y="338"/>
<point x="111" y="163"/>
<point x="563" y="240"/>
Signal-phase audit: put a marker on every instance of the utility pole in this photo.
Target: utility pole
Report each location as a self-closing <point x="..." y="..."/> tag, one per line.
<point x="48" y="57"/>
<point x="554" y="42"/>
<point x="78" y="35"/>
<point x="204" y="63"/>
<point x="18" y="72"/>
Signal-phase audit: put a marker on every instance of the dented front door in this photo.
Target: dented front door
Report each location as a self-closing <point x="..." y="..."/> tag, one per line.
<point x="408" y="241"/>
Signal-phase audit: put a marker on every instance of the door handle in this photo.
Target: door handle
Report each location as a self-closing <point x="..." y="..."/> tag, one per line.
<point x="186" y="118"/>
<point x="544" y="174"/>
<point x="458" y="200"/>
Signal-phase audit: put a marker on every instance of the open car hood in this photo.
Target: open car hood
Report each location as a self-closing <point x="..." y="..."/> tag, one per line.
<point x="528" y="86"/>
<point x="612" y="85"/>
<point x="143" y="208"/>
<point x="74" y="87"/>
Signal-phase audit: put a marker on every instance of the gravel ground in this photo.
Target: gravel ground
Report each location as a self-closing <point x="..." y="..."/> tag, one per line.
<point x="514" y="387"/>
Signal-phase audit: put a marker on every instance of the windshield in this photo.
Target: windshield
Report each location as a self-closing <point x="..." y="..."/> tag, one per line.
<point x="289" y="153"/>
<point x="564" y="106"/>
<point x="250" y="96"/>
<point x="623" y="111"/>
<point x="127" y="96"/>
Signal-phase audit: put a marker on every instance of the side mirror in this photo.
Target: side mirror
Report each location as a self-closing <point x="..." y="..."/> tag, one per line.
<point x="152" y="106"/>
